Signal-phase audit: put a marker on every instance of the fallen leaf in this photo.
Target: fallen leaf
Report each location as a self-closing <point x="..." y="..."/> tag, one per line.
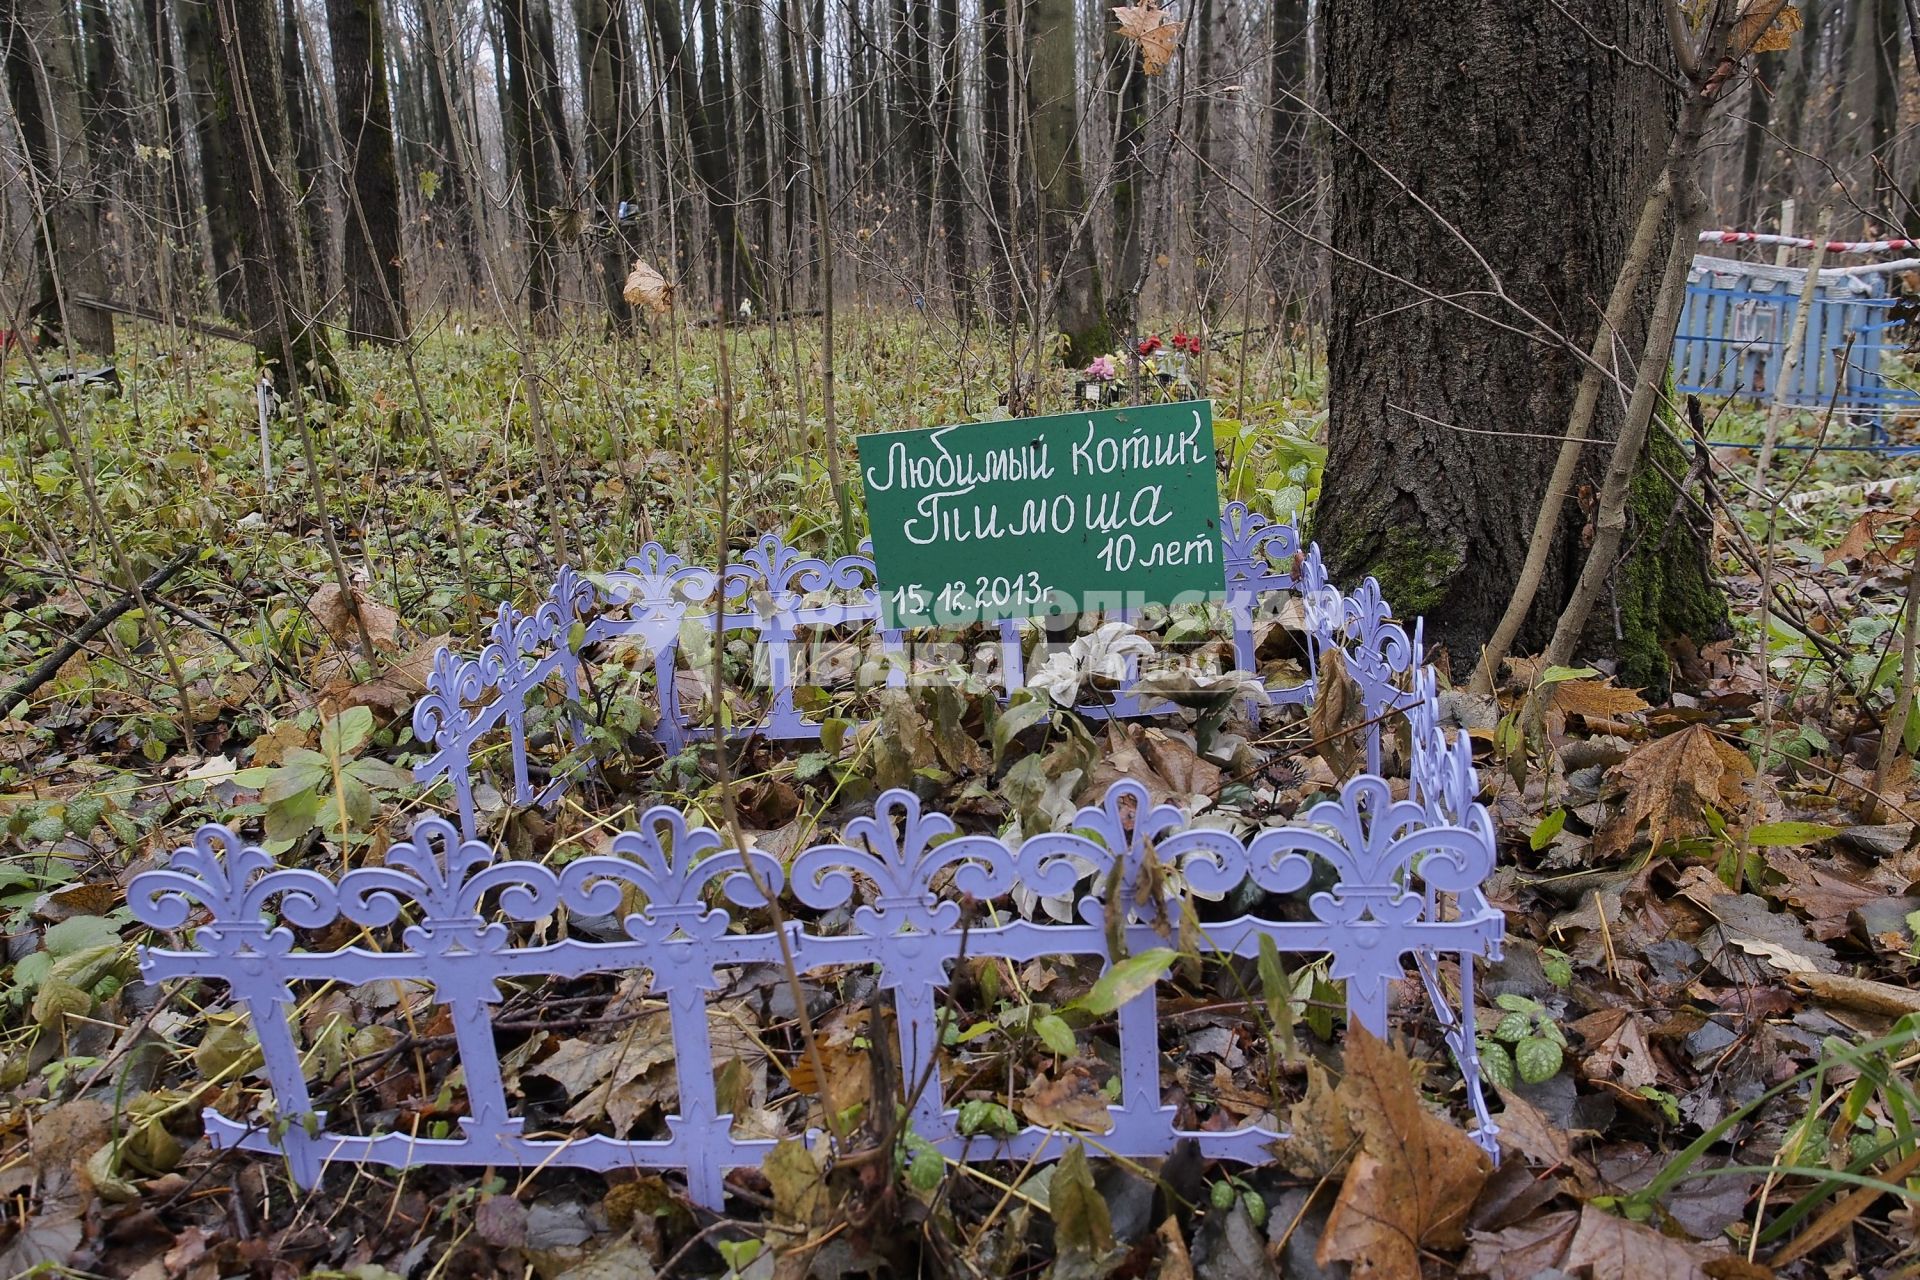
<point x="331" y="608"/>
<point x="1339" y="711"/>
<point x="646" y="287"/>
<point x="1175" y="1263"/>
<point x="1523" y="1250"/>
<point x="799" y="1187"/>
<point x="1415" y="1179"/>
<point x="1620" y="1051"/>
<point x="1669" y="781"/>
<point x="501" y="1221"/>
<point x="611" y="1078"/>
<point x="1611" y="1248"/>
<point x="1073" y="1101"/>
<point x="1082" y="1224"/>
<point x="1320" y="1138"/>
<point x="1863" y="994"/>
<point x="393" y="692"/>
<point x="624" y="1259"/>
<point x="1594" y="699"/>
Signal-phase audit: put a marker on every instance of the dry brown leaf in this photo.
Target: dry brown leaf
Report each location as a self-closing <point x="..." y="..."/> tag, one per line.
<point x="1620" y="1055"/>
<point x="1179" y="764"/>
<point x="647" y="288"/>
<point x="1523" y="1250"/>
<point x="1175" y="1262"/>
<point x="329" y="605"/>
<point x="393" y="692"/>
<point x="612" y="1078"/>
<point x="1613" y="1248"/>
<point x="1073" y="1101"/>
<point x="1156" y="31"/>
<point x="1339" y="711"/>
<point x="1595" y="699"/>
<point x="1765" y="26"/>
<point x="1415" y="1179"/>
<point x="1669" y="781"/>
<point x="1320" y="1137"/>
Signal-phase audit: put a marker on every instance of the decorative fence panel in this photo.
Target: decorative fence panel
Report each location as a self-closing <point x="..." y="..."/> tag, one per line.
<point x="778" y="595"/>
<point x="1402" y="863"/>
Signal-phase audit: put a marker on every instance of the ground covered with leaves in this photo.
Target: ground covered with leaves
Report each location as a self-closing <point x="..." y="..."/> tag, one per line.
<point x="1702" y="1034"/>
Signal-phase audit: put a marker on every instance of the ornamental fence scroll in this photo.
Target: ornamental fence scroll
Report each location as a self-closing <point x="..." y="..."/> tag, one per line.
<point x="1402" y="864"/>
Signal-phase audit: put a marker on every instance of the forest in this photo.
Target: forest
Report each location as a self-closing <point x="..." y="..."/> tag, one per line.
<point x="1192" y="639"/>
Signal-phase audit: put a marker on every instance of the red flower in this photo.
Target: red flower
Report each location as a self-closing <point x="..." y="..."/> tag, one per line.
<point x="1150" y="344"/>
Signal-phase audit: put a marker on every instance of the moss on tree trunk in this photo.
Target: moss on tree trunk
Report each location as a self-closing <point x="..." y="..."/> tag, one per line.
<point x="1663" y="599"/>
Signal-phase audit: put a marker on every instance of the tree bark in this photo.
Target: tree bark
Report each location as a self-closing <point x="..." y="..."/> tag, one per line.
<point x="1445" y="402"/>
<point x="45" y="82"/>
<point x="946" y="103"/>
<point x="604" y="65"/>
<point x="247" y="148"/>
<point x="210" y="100"/>
<point x="1066" y="244"/>
<point x="538" y="137"/>
<point x="376" y="300"/>
<point x="1289" y="159"/>
<point x="996" y="61"/>
<point x="307" y="124"/>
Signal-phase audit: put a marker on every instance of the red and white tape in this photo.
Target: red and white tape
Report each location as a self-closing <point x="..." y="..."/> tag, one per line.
<point x="1801" y="242"/>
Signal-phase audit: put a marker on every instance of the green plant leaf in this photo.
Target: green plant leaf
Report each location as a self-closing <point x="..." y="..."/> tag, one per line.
<point x="1020" y="714"/>
<point x="1514" y="1026"/>
<point x="977" y="1115"/>
<point x="1560" y="675"/>
<point x="346" y="733"/>
<point x="1127" y="979"/>
<point x="1538" y="1059"/>
<point x="1549" y="828"/>
<point x="1056" y="1034"/>
<point x="1790" y="834"/>
<point x="80" y="933"/>
<point x="1496" y="1063"/>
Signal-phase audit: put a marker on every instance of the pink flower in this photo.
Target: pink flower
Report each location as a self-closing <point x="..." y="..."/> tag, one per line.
<point x="1101" y="370"/>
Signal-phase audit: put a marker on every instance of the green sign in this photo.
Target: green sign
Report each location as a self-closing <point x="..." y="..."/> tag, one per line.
<point x="1069" y="514"/>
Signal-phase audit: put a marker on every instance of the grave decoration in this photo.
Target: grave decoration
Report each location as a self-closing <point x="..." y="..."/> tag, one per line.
<point x="1387" y="870"/>
<point x="1069" y="515"/>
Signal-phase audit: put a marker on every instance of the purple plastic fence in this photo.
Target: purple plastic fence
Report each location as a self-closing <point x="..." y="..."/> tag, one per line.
<point x="1406" y="882"/>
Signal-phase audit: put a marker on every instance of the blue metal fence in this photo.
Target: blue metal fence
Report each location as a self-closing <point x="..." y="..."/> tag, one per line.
<point x="1739" y="317"/>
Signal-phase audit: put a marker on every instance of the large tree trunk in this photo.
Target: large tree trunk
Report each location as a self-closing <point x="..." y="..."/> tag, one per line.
<point x="247" y="146"/>
<point x="946" y="106"/>
<point x="182" y="267"/>
<point x="1289" y="161"/>
<point x="1080" y="306"/>
<point x="376" y="305"/>
<point x="1445" y="404"/>
<point x="308" y="125"/>
<point x="604" y="66"/>
<point x="537" y="137"/>
<point x="996" y="62"/>
<point x="1754" y="195"/>
<point x="44" y="80"/>
<point x="109" y="113"/>
<point x="211" y="107"/>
